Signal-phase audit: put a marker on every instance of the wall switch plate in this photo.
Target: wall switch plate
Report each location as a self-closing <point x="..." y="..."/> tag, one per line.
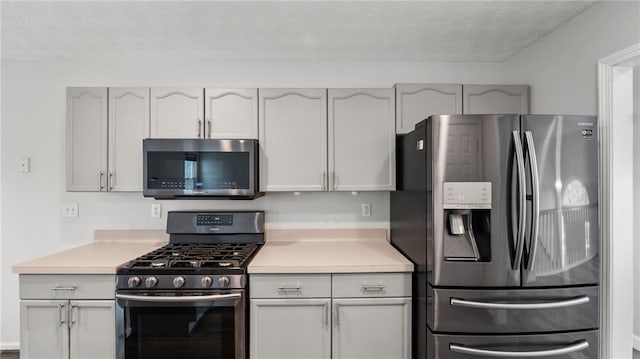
<point x="70" y="210"/>
<point x="156" y="210"/>
<point x="366" y="210"/>
<point x="24" y="165"/>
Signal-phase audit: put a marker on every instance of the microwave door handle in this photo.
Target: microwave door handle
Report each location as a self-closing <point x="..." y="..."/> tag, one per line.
<point x="517" y="144"/>
<point x="535" y="184"/>
<point x="179" y="299"/>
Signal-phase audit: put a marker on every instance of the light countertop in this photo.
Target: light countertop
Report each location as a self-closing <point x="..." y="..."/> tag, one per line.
<point x="109" y="250"/>
<point x="328" y="251"/>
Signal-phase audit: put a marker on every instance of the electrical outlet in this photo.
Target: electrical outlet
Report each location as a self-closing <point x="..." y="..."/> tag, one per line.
<point x="156" y="210"/>
<point x="70" y="210"/>
<point x="24" y="165"/>
<point x="366" y="210"/>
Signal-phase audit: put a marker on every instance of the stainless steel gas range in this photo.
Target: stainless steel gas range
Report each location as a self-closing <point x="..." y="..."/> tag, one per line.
<point x="189" y="298"/>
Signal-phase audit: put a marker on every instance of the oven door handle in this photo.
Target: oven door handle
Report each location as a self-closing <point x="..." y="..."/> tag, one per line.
<point x="179" y="299"/>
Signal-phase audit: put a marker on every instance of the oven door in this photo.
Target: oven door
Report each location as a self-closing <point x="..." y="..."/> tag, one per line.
<point x="180" y="325"/>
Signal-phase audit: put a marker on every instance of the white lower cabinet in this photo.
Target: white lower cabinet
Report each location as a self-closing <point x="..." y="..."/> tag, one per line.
<point x="56" y="325"/>
<point x="290" y="328"/>
<point x="372" y="328"/>
<point x="345" y="316"/>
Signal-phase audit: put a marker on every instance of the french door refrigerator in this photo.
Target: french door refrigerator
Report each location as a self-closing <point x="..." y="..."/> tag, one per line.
<point x="499" y="213"/>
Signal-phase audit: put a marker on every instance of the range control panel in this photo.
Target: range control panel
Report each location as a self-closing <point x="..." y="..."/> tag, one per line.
<point x="214" y="220"/>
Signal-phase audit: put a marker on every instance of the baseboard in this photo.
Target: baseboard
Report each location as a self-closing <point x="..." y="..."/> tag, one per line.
<point x="636" y="342"/>
<point x="9" y="346"/>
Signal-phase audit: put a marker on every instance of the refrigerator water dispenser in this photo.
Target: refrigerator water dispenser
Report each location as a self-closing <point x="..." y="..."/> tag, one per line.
<point x="467" y="214"/>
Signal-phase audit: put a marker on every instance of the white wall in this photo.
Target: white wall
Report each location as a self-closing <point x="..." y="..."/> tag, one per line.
<point x="636" y="207"/>
<point x="561" y="68"/>
<point x="33" y="123"/>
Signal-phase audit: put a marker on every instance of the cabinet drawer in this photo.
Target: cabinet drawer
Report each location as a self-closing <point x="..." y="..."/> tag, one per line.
<point x="67" y="286"/>
<point x="290" y="285"/>
<point x="372" y="285"/>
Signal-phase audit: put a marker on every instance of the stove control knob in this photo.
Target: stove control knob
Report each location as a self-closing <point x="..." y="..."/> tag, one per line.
<point x="151" y="282"/>
<point x="133" y="281"/>
<point x="178" y="282"/>
<point x="206" y="281"/>
<point x="223" y="281"/>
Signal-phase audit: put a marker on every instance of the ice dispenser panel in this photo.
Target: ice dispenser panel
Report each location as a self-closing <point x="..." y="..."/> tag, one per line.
<point x="467" y="233"/>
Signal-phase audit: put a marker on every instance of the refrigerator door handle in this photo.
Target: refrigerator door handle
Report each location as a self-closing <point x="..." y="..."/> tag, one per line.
<point x="578" y="346"/>
<point x="535" y="185"/>
<point x="546" y="305"/>
<point x="522" y="198"/>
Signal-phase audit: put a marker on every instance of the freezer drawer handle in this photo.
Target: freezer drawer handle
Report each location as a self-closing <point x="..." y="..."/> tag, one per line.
<point x="581" y="345"/>
<point x="549" y="305"/>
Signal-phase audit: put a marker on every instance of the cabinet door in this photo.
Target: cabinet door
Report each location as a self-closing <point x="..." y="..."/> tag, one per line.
<point x="415" y="102"/>
<point x="86" y="138"/>
<point x="293" y="139"/>
<point x="495" y="99"/>
<point x="231" y="113"/>
<point x="370" y="328"/>
<point x="177" y="113"/>
<point x="92" y="329"/>
<point x="362" y="139"/>
<point x="290" y="329"/>
<point x="44" y="333"/>
<point x="128" y="126"/>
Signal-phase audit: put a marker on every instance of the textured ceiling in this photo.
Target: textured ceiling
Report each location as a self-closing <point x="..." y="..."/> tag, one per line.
<point x="279" y="30"/>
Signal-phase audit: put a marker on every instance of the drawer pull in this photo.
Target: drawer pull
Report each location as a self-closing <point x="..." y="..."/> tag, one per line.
<point x="581" y="345"/>
<point x="372" y="287"/>
<point x="284" y="289"/>
<point x="65" y="288"/>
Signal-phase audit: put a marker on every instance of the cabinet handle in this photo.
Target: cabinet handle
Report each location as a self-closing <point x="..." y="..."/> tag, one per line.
<point x="100" y="175"/>
<point x="332" y="181"/>
<point x="199" y="128"/>
<point x="324" y="180"/>
<point x="337" y="316"/>
<point x="209" y="128"/>
<point x="72" y="318"/>
<point x="373" y="288"/>
<point x="110" y="180"/>
<point x="61" y="315"/>
<point x="65" y="288"/>
<point x="326" y="314"/>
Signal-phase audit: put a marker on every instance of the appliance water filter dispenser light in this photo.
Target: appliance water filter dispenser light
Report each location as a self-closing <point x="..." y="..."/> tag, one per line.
<point x="467" y="227"/>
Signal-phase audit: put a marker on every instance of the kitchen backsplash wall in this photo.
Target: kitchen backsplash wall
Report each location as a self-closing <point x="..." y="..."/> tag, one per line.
<point x="33" y="125"/>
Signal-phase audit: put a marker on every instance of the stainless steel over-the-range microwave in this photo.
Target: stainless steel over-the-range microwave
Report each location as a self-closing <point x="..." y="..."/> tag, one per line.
<point x="200" y="168"/>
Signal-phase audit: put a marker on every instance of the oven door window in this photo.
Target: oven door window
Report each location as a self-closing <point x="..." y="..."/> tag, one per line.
<point x="212" y="330"/>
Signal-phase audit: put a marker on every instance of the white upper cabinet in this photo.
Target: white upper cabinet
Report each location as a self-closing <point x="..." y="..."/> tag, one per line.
<point x="293" y="139"/>
<point x="361" y="139"/>
<point x="231" y="113"/>
<point x="105" y="128"/>
<point x="495" y="99"/>
<point x="128" y="126"/>
<point x="177" y="112"/>
<point x="415" y="102"/>
<point x="86" y="138"/>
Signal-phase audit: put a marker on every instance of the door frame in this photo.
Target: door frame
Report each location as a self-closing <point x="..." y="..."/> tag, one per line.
<point x="615" y="110"/>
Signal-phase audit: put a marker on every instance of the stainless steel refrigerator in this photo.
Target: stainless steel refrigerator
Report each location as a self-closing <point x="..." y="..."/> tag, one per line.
<point x="499" y="213"/>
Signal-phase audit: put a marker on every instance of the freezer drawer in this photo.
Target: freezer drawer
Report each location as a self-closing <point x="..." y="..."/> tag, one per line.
<point x="575" y="345"/>
<point x="512" y="310"/>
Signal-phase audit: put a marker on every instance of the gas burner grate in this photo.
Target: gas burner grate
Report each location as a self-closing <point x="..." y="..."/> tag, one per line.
<point x="196" y="255"/>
